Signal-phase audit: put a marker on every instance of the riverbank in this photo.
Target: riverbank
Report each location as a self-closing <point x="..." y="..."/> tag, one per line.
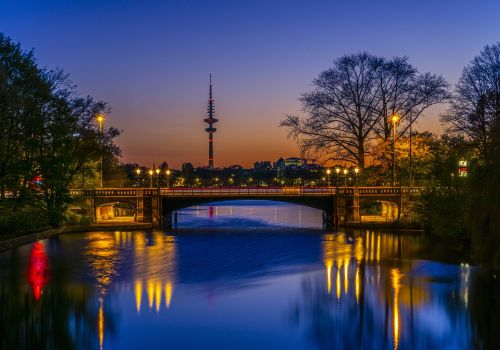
<point x="33" y="237"/>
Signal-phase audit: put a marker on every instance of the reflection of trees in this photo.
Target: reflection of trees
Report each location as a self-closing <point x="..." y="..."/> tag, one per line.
<point x="485" y="310"/>
<point x="65" y="317"/>
<point x="376" y="298"/>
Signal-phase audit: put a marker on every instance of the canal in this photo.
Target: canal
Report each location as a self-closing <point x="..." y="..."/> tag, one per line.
<point x="244" y="275"/>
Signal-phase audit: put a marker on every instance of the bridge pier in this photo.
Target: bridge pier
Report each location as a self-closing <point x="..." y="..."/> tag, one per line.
<point x="345" y="210"/>
<point x="156" y="214"/>
<point x="352" y="207"/>
<point x="139" y="207"/>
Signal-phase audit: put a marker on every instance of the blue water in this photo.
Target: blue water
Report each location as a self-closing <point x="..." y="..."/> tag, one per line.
<point x="243" y="275"/>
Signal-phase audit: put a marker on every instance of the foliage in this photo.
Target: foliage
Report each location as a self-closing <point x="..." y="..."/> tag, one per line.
<point x="485" y="211"/>
<point x="476" y="101"/>
<point x="49" y="134"/>
<point x="24" y="220"/>
<point x="470" y="206"/>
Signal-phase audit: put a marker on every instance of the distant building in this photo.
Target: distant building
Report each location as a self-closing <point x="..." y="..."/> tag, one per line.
<point x="279" y="164"/>
<point x="262" y="165"/>
<point x="187" y="170"/>
<point x="295" y="163"/>
<point x="313" y="167"/>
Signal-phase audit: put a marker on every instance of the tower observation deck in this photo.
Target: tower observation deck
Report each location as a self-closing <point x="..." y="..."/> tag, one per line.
<point x="211" y="120"/>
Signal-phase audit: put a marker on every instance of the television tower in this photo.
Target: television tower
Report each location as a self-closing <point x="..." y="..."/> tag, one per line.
<point x="210" y="130"/>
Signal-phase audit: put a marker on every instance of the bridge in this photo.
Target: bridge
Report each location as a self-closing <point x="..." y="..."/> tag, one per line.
<point x="340" y="205"/>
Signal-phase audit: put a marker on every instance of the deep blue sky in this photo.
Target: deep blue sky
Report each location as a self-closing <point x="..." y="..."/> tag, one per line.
<point x="150" y="60"/>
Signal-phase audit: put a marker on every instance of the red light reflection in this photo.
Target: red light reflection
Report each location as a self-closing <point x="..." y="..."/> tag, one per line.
<point x="38" y="273"/>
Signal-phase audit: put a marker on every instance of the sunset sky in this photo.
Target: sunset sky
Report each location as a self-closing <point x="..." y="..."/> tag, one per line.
<point x="150" y="60"/>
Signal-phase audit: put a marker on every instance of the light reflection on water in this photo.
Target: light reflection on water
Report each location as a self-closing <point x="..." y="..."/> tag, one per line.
<point x="261" y="287"/>
<point x="250" y="213"/>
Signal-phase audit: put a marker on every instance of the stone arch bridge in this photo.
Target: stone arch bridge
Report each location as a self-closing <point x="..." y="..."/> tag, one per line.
<point x="340" y="205"/>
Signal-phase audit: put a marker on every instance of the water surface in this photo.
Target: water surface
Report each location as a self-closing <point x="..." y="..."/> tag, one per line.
<point x="247" y="275"/>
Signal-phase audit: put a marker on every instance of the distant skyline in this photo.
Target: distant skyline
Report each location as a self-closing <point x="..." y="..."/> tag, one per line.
<point x="150" y="60"/>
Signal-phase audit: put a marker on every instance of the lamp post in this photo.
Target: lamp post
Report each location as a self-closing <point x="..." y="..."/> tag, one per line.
<point x="345" y="177"/>
<point x="157" y="171"/>
<point x="138" y="172"/>
<point x="394" y="120"/>
<point x="100" y="120"/>
<point x="337" y="171"/>
<point x="328" y="172"/>
<point x="150" y="177"/>
<point x="168" y="177"/>
<point x="356" y="171"/>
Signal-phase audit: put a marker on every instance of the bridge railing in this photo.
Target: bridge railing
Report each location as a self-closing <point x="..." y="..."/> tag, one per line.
<point x="246" y="191"/>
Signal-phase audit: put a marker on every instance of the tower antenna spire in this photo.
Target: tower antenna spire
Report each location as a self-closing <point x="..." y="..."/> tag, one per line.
<point x="211" y="120"/>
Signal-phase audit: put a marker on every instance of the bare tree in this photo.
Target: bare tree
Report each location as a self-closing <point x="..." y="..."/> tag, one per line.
<point x="351" y="103"/>
<point x="405" y="92"/>
<point x="340" y="109"/>
<point x="476" y="102"/>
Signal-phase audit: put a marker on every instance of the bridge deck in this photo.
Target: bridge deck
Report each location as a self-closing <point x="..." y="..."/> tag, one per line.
<point x="248" y="191"/>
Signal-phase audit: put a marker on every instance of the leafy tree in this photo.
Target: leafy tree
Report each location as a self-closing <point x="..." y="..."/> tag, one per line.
<point x="48" y="134"/>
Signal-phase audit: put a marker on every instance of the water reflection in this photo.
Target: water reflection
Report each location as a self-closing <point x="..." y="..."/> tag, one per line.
<point x="360" y="289"/>
<point x="38" y="273"/>
<point x="384" y="298"/>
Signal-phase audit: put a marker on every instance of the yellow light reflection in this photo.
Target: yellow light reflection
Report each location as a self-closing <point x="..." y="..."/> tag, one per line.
<point x="138" y="295"/>
<point x="329" y="276"/>
<point x="346" y="280"/>
<point x="100" y="323"/>
<point x="168" y="293"/>
<point x="158" y="296"/>
<point x="155" y="268"/>
<point x="396" y="286"/>
<point x="358" y="249"/>
<point x="378" y="248"/>
<point x="357" y="284"/>
<point x="151" y="293"/>
<point x="337" y="283"/>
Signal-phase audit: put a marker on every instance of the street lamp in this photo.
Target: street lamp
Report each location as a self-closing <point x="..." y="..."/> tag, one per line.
<point x="356" y="171"/>
<point x="138" y="172"/>
<point x="328" y="172"/>
<point x="151" y="172"/>
<point x="100" y="120"/>
<point x="394" y="120"/>
<point x="168" y="177"/>
<point x="345" y="177"/>
<point x="157" y="171"/>
<point x="337" y="171"/>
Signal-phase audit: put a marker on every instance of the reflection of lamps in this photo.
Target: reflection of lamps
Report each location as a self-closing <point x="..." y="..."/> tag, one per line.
<point x="37" y="269"/>
<point x="396" y="286"/>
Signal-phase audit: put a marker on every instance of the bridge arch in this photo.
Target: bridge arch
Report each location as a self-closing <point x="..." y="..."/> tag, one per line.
<point x="249" y="213"/>
<point x="170" y="206"/>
